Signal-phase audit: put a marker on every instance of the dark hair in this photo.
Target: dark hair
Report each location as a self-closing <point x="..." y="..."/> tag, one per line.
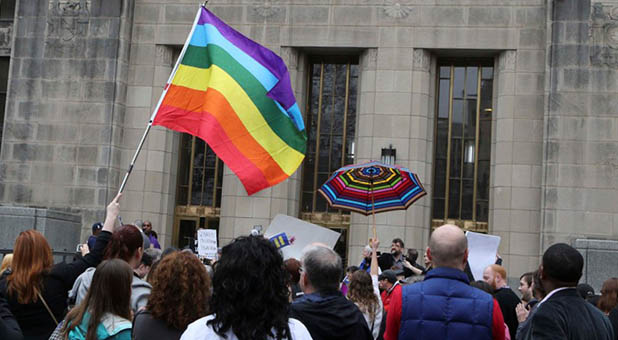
<point x="585" y="290"/>
<point x="250" y="294"/>
<point x="412" y="255"/>
<point x="125" y="241"/>
<point x="147" y="259"/>
<point x="361" y="293"/>
<point x="180" y="290"/>
<point x="110" y="292"/>
<point x="293" y="268"/>
<point x="351" y="269"/>
<point x="538" y="285"/>
<point x="527" y="277"/>
<point x="563" y="264"/>
<point x="322" y="268"/>
<point x="482" y="285"/>
<point x="399" y="241"/>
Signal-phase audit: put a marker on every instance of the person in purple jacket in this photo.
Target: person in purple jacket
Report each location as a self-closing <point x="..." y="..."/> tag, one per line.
<point x="152" y="235"/>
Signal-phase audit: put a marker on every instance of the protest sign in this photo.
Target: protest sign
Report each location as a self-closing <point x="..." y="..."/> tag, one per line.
<point x="207" y="243"/>
<point x="291" y="235"/>
<point x="482" y="250"/>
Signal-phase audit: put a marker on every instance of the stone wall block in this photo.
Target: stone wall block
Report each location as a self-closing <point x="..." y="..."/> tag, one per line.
<point x="443" y="16"/>
<point x="18" y="131"/>
<point x="309" y="15"/>
<point x="107" y="8"/>
<point x="489" y="16"/>
<point x="357" y="15"/>
<point x="33" y="8"/>
<point x="179" y="13"/>
<point x="101" y="48"/>
<point x="572" y="10"/>
<point x="229" y="14"/>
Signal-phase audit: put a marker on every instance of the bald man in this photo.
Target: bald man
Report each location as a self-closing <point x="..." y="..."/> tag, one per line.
<point x="444" y="305"/>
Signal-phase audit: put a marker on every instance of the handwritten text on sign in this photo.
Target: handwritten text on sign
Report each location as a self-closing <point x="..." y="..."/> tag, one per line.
<point x="207" y="243"/>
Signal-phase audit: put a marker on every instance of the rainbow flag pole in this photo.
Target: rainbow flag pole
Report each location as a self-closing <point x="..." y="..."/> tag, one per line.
<point x="236" y="95"/>
<point x="154" y="113"/>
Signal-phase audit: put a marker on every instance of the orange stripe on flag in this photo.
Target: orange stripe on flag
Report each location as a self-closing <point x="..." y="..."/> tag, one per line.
<point x="214" y="104"/>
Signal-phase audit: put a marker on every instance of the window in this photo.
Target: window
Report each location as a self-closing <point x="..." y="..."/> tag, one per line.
<point x="331" y="122"/>
<point x="331" y="128"/>
<point x="7" y="9"/>
<point x="198" y="194"/>
<point x="463" y="144"/>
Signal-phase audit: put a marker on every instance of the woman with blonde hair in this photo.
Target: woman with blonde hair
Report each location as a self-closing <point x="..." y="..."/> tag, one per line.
<point x="6" y="263"/>
<point x="36" y="289"/>
<point x="364" y="292"/>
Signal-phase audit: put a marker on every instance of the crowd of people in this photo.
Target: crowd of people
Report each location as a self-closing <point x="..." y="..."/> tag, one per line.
<point x="124" y="287"/>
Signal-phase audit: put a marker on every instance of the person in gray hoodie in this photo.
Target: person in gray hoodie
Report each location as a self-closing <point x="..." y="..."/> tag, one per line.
<point x="126" y="244"/>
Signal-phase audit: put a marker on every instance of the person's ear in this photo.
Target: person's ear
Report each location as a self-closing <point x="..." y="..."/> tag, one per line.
<point x="465" y="257"/>
<point x="428" y="251"/>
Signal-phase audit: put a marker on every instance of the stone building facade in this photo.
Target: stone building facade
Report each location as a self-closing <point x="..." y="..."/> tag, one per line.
<point x="531" y="84"/>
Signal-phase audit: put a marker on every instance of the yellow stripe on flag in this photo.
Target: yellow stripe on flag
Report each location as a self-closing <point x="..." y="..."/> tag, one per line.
<point x="201" y="79"/>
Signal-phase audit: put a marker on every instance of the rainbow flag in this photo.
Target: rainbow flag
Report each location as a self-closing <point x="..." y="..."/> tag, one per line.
<point x="236" y="95"/>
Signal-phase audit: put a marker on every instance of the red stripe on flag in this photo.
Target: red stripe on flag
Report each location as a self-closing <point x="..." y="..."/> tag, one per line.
<point x="221" y="128"/>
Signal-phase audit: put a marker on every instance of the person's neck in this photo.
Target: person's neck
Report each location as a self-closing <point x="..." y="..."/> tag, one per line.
<point x="396" y="256"/>
<point x="501" y="285"/>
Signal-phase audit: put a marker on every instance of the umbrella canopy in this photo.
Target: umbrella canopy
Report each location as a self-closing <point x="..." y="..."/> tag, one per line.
<point x="372" y="188"/>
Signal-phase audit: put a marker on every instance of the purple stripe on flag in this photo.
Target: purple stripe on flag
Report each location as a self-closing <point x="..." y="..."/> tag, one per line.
<point x="282" y="92"/>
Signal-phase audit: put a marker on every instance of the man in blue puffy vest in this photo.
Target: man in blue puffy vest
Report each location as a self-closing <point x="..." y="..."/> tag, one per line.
<point x="444" y="305"/>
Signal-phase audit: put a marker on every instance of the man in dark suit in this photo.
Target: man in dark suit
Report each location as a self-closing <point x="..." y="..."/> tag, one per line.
<point x="563" y="314"/>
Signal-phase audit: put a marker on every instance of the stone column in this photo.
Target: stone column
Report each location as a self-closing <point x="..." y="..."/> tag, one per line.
<point x="581" y="150"/>
<point x="65" y="106"/>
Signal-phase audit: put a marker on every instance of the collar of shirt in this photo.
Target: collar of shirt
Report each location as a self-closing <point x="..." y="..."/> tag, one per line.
<point x="393" y="287"/>
<point x="552" y="293"/>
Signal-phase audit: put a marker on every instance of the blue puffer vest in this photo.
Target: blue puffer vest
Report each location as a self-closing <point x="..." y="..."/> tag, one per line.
<point x="445" y="306"/>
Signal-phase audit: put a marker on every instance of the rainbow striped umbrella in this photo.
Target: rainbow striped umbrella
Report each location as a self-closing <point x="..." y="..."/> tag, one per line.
<point x="371" y="188"/>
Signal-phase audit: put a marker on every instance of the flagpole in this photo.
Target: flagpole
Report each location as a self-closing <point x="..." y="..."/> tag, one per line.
<point x="154" y="113"/>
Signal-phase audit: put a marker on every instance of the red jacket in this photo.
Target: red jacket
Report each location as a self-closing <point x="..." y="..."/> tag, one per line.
<point x="393" y="294"/>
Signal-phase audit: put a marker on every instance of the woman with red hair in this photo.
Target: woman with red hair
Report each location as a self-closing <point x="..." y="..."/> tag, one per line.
<point x="36" y="289"/>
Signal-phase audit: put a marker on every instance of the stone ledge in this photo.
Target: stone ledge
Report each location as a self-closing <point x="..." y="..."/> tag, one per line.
<point x="595" y="244"/>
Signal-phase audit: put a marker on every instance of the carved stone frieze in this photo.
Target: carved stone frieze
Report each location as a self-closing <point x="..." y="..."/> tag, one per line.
<point x="507" y="60"/>
<point x="421" y="59"/>
<point x="266" y="9"/>
<point x="396" y="10"/>
<point x="6" y="31"/>
<point x="604" y="35"/>
<point x="68" y="19"/>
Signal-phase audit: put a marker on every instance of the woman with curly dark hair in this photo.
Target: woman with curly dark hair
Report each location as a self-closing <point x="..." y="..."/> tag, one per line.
<point x="250" y="296"/>
<point x="364" y="292"/>
<point x="179" y="296"/>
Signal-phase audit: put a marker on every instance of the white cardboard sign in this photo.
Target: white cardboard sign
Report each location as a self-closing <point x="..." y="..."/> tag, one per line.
<point x="482" y="250"/>
<point x="207" y="243"/>
<point x="291" y="235"/>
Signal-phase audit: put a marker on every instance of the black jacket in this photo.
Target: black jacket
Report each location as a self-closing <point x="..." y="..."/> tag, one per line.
<point x="146" y="327"/>
<point x="33" y="318"/>
<point x="508" y="301"/>
<point x="565" y="315"/>
<point x="9" y="329"/>
<point x="330" y="316"/>
<point x="613" y="318"/>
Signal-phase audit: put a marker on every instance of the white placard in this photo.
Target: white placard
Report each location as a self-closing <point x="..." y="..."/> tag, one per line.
<point x="207" y="243"/>
<point x="297" y="234"/>
<point x="482" y="250"/>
